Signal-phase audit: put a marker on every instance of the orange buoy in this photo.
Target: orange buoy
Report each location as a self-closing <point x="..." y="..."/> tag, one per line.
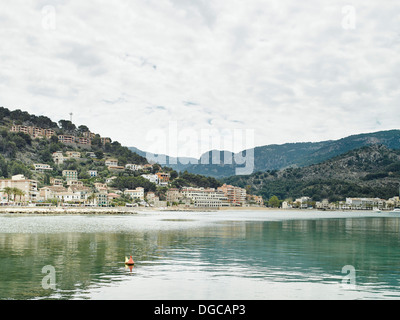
<point x="129" y="262"/>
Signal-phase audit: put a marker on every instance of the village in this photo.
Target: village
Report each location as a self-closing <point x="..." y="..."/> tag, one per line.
<point x="70" y="191"/>
<point x="97" y="189"/>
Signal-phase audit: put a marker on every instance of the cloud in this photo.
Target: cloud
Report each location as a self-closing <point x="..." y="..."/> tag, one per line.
<point x="287" y="70"/>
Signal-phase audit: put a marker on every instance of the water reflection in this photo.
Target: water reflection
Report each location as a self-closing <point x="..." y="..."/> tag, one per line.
<point x="306" y="251"/>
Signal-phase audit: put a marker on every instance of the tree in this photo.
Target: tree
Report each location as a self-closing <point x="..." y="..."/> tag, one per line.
<point x="67" y="125"/>
<point x="91" y="198"/>
<point x="8" y="191"/>
<point x="274" y="202"/>
<point x="99" y="154"/>
<point x="83" y="128"/>
<point x="20" y="193"/>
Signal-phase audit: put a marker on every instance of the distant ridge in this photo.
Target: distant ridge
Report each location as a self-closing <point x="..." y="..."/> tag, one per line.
<point x="370" y="171"/>
<point x="276" y="157"/>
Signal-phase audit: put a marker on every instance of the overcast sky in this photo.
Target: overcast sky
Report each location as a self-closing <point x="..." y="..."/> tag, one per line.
<point x="288" y="71"/>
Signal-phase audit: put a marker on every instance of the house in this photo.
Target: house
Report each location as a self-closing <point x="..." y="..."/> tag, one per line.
<point x="56" y="182"/>
<point x="286" y="205"/>
<point x="90" y="154"/>
<point x="42" y="167"/>
<point x="92" y="173"/>
<point x="73" y="154"/>
<point x="68" y="197"/>
<point x="112" y="196"/>
<point x="133" y="167"/>
<point x="151" y="177"/>
<point x="50" y="192"/>
<point x="100" y="187"/>
<point x="58" y="157"/>
<point x="111" y="162"/>
<point x="163" y="178"/>
<point x="74" y="183"/>
<point x="70" y="174"/>
<point x="82" y="191"/>
<point x="110" y="180"/>
<point x="253" y="199"/>
<point x="116" y="168"/>
<point x="302" y="202"/>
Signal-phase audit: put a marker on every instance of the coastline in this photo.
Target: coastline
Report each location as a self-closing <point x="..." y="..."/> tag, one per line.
<point x="134" y="210"/>
<point x="94" y="210"/>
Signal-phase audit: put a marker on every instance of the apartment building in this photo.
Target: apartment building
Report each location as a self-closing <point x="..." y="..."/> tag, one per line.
<point x="70" y="174"/>
<point x="236" y="196"/>
<point x="208" y="198"/>
<point x="67" y="139"/>
<point x="138" y="193"/>
<point x="34" y="132"/>
<point x="82" y="140"/>
<point x="102" y="199"/>
<point x="365" y="203"/>
<point x="105" y="140"/>
<point x="28" y="186"/>
<point x="173" y="195"/>
<point x="89" y="135"/>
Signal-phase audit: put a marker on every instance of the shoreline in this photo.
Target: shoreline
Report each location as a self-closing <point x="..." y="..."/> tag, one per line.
<point x="136" y="210"/>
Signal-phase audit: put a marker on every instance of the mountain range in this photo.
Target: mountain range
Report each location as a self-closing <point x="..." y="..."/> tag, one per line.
<point x="370" y="171"/>
<point x="276" y="157"/>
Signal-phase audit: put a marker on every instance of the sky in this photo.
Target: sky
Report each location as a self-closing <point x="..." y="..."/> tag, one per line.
<point x="185" y="76"/>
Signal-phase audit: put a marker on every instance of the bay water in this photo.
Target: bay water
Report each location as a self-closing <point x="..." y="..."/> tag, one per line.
<point x="243" y="254"/>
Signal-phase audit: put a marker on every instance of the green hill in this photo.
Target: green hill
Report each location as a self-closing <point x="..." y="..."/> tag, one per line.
<point x="19" y="151"/>
<point x="371" y="171"/>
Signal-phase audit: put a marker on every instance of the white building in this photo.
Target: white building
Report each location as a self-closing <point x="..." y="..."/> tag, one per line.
<point x="201" y="197"/>
<point x="133" y="167"/>
<point x="303" y="202"/>
<point x="42" y="167"/>
<point x="92" y="173"/>
<point x="67" y="197"/>
<point x="365" y="203"/>
<point x="111" y="162"/>
<point x="28" y="186"/>
<point x="151" y="177"/>
<point x="138" y="193"/>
